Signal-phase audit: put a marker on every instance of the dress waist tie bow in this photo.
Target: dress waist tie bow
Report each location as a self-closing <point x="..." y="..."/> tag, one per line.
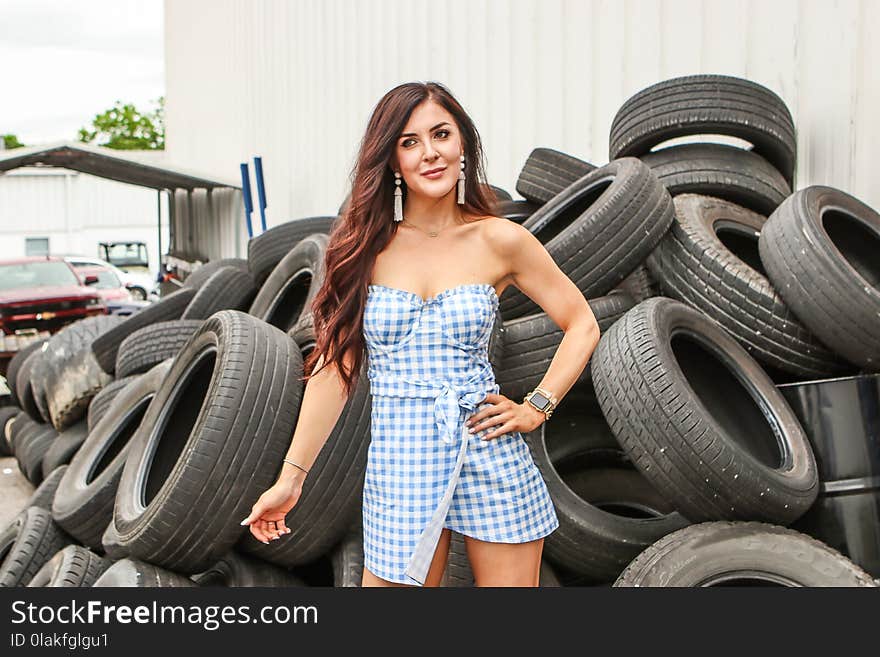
<point x="449" y="398"/>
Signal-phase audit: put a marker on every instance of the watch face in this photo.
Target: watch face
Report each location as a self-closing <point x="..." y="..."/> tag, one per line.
<point x="539" y="400"/>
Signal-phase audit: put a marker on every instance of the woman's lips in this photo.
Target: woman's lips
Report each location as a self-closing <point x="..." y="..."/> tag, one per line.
<point x="434" y="175"/>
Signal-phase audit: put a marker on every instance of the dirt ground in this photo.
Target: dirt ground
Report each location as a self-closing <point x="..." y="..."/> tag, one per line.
<point x="15" y="490"/>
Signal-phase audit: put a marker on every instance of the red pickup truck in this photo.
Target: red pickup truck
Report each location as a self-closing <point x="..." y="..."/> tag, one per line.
<point x="43" y="293"/>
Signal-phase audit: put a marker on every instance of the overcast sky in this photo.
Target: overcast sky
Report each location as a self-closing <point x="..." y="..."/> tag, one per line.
<point x="63" y="61"/>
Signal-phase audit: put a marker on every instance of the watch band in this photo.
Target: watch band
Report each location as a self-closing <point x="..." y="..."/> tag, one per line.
<point x="551" y="401"/>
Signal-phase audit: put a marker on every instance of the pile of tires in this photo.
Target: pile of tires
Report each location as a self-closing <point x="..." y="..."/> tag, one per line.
<point x="681" y="431"/>
<point x="143" y="488"/>
<point x="674" y="460"/>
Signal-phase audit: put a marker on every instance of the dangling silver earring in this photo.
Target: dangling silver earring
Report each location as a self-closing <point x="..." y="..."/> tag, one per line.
<point x="398" y="198"/>
<point x="461" y="183"/>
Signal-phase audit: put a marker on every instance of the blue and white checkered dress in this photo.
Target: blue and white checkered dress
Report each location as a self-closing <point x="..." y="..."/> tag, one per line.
<point x="428" y="367"/>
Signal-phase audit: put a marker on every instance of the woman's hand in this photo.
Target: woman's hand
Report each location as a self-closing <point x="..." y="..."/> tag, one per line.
<point x="266" y="519"/>
<point x="506" y="415"/>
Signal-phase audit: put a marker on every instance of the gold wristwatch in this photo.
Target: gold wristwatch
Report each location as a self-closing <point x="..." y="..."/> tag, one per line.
<point x="543" y="400"/>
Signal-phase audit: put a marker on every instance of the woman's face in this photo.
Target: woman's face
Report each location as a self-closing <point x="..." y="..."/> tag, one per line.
<point x="430" y="140"/>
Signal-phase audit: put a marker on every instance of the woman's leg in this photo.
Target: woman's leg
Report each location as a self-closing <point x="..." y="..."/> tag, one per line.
<point x="505" y="564"/>
<point x="435" y="572"/>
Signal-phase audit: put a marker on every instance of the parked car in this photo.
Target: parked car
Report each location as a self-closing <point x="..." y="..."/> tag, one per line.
<point x="118" y="298"/>
<point x="108" y="285"/>
<point x="139" y="283"/>
<point x="44" y="293"/>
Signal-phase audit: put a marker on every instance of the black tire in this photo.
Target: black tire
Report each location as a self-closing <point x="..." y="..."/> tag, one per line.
<point x="229" y="288"/>
<point x="86" y="494"/>
<point x="639" y="285"/>
<point x="724" y="278"/>
<point x="74" y="566"/>
<point x="63" y="447"/>
<point x="347" y="558"/>
<point x="531" y="342"/>
<point x="701" y="419"/>
<point x="516" y="211"/>
<point x="21" y="432"/>
<point x="602" y="526"/>
<point x="500" y="194"/>
<point x="101" y="402"/>
<point x="820" y="251"/>
<point x="200" y="276"/>
<point x="149" y="346"/>
<point x="16" y="362"/>
<point x="28" y="542"/>
<point x="18" y="428"/>
<point x="39" y="378"/>
<point x="66" y="375"/>
<point x="137" y="293"/>
<point x="7" y="414"/>
<point x="72" y="388"/>
<point x="106" y="346"/>
<point x="547" y="172"/>
<point x="29" y="454"/>
<point x="333" y="491"/>
<point x="8" y="430"/>
<point x="707" y="104"/>
<point x="24" y="389"/>
<point x="265" y="251"/>
<point x="130" y="572"/>
<point x="110" y="543"/>
<point x="599" y="229"/>
<point x="44" y="494"/>
<point x="170" y="509"/>
<point x="725" y="172"/>
<point x="240" y="570"/>
<point x="722" y="553"/>
<point x="293" y="283"/>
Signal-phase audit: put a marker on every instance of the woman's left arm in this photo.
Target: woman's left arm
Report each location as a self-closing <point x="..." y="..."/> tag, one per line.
<point x="535" y="273"/>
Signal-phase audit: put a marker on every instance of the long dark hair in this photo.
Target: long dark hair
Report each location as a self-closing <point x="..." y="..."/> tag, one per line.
<point x="366" y="227"/>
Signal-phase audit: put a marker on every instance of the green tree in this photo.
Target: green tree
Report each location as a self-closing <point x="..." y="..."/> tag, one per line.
<point x="11" y="141"/>
<point x="123" y="126"/>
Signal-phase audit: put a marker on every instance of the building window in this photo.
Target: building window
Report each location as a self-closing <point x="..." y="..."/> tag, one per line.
<point x="36" y="246"/>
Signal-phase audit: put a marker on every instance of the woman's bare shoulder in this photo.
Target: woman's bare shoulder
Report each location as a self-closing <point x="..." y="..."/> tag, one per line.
<point x="502" y="232"/>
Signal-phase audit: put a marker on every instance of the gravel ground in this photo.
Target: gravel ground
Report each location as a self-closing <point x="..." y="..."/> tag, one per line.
<point x="15" y="490"/>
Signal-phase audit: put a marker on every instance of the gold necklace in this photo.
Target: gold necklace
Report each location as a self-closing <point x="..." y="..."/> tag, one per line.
<point x="431" y="233"/>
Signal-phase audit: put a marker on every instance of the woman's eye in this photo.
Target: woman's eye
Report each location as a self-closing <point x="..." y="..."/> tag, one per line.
<point x="445" y="134"/>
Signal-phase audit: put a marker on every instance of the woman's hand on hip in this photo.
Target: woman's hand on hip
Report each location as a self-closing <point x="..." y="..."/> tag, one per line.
<point x="504" y="415"/>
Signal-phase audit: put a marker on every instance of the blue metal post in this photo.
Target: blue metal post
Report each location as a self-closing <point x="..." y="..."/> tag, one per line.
<point x="261" y="190"/>
<point x="246" y="195"/>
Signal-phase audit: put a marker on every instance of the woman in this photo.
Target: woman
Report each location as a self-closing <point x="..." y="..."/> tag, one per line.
<point x="406" y="274"/>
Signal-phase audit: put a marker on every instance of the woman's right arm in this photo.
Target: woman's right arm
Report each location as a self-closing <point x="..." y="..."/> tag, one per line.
<point x="322" y="403"/>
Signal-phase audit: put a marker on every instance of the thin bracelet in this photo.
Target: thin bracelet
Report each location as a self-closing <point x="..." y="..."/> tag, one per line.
<point x="295" y="465"/>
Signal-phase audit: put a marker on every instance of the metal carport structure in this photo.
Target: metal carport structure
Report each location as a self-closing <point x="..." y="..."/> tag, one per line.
<point x="202" y="209"/>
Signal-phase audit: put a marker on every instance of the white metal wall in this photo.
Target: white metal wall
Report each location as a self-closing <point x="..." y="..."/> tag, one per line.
<point x="295" y="80"/>
<point x="76" y="211"/>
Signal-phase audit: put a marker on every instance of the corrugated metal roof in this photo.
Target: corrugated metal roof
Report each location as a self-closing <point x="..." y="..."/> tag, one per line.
<point x="122" y="166"/>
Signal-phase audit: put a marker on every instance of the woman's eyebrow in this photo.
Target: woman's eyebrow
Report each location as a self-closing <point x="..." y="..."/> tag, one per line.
<point x="412" y="134"/>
